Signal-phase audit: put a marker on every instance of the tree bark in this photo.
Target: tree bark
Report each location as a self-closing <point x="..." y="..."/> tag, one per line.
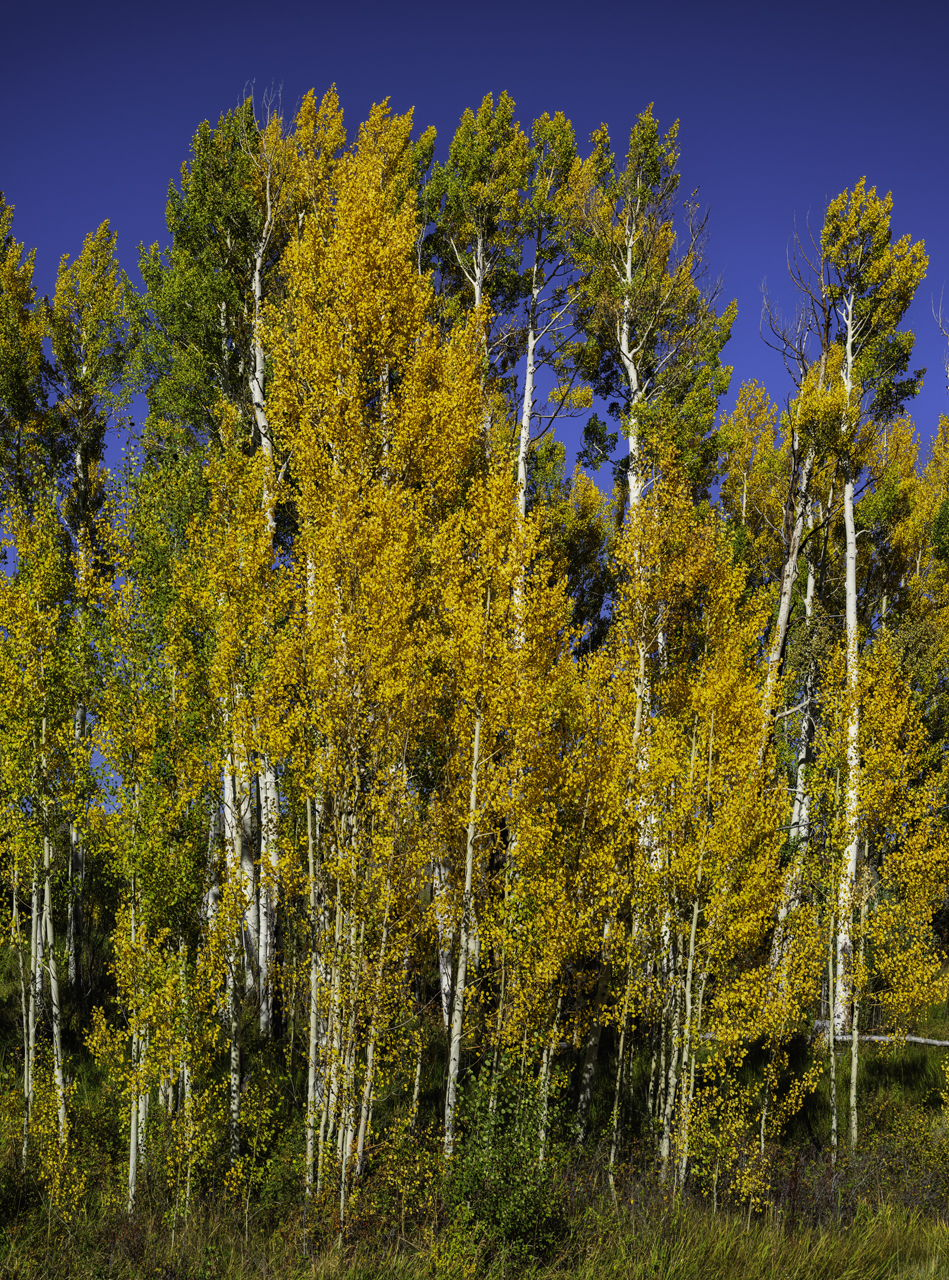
<point x="269" y="895"/>
<point x="852" y="794"/>
<point x="54" y="995"/>
<point x="312" y="831"/>
<point x="799" y="509"/>
<point x="458" y="1004"/>
<point x="672" y="1082"/>
<point x="445" y="940"/>
<point x="77" y="873"/>
<point x="831" y="1045"/>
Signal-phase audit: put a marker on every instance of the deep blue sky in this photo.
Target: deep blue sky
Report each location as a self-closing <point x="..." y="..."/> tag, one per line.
<point x="781" y="106"/>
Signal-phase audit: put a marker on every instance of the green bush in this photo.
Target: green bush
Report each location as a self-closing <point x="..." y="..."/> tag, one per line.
<point x="496" y="1179"/>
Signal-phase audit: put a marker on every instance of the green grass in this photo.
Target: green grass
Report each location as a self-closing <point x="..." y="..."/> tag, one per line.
<point x="880" y="1212"/>
<point x="679" y="1243"/>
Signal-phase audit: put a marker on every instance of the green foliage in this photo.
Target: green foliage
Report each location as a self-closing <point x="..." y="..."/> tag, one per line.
<point x="199" y="332"/>
<point x="497" y="1182"/>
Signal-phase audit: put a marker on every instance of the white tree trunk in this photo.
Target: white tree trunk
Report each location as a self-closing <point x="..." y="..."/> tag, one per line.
<point x="672" y="1080"/>
<point x="269" y="893"/>
<point x="369" y="1083"/>
<point x="687" y="1037"/>
<point x="24" y="1003"/>
<point x="133" y="1134"/>
<point x="234" y="1065"/>
<point x="312" y="1072"/>
<point x="54" y="996"/>
<point x="467" y="920"/>
<point x="799" y="830"/>
<point x="855" y="1037"/>
<point x="523" y="442"/>
<point x="334" y="1044"/>
<point x="852" y="793"/>
<point x="77" y="873"/>
<point x="445" y="939"/>
<point x="32" y="1011"/>
<point x="239" y="846"/>
<point x="788" y="579"/>
<point x="832" y="1047"/>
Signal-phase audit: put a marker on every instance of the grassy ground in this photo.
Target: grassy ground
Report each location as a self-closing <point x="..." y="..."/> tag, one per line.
<point x="682" y="1243"/>
<point x="880" y="1211"/>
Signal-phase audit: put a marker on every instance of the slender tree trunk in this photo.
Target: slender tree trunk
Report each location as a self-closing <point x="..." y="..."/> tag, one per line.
<point x="234" y="1072"/>
<point x="662" y="1080"/>
<point x="417" y="1084"/>
<point x="334" y="1045"/>
<point x="312" y="831"/>
<point x="445" y="941"/>
<point x="133" y="1133"/>
<point x="617" y="1092"/>
<point x="832" y="1046"/>
<point x="690" y="1095"/>
<point x="369" y="1083"/>
<point x="54" y="1002"/>
<point x="672" y="1082"/>
<point x="348" y="1102"/>
<point x="635" y="479"/>
<point x="269" y="896"/>
<point x="238" y="838"/>
<point x="524" y="435"/>
<point x="855" y="1036"/>
<point x="653" y="1063"/>
<point x="687" y="1039"/>
<point x="458" y="1006"/>
<point x="344" y="1135"/>
<point x="258" y="355"/>
<point x="800" y="812"/>
<point x="852" y="794"/>
<point x="799" y="511"/>
<point x="35" y="1004"/>
<point x="143" y="1099"/>
<point x="134" y="1114"/>
<point x="24" y="1001"/>
<point x="77" y="875"/>
<point x="799" y="830"/>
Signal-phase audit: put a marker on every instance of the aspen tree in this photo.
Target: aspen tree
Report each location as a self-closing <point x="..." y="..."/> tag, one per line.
<point x="870" y="284"/>
<point x="476" y="193"/>
<point x="485" y="653"/>
<point x="394" y="458"/>
<point x="53" y="452"/>
<point x="33" y="444"/>
<point x="155" y="842"/>
<point x="653" y="337"/>
<point x="550" y="216"/>
<point x="700" y="871"/>
<point x="94" y="331"/>
<point x="249" y="186"/>
<point x="38" y="680"/>
<point x="904" y="859"/>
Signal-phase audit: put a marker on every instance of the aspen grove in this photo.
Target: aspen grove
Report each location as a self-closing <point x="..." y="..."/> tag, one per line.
<point x="375" y="794"/>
